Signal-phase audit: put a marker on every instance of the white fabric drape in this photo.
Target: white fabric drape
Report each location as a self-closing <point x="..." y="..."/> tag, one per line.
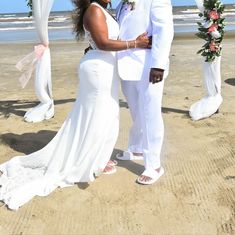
<point x="212" y="100"/>
<point x="200" y="5"/>
<point x="40" y="59"/>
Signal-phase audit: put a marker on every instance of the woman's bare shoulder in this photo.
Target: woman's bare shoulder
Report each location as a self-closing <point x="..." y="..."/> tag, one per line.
<point x="93" y="15"/>
<point x="94" y="10"/>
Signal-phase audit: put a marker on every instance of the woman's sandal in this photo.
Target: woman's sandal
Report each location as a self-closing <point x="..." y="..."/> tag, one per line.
<point x="129" y="156"/>
<point x="112" y="163"/>
<point x="108" y="170"/>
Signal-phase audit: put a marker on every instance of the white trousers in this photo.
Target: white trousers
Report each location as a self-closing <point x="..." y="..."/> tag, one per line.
<point x="147" y="132"/>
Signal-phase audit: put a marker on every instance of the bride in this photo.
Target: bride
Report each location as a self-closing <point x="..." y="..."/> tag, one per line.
<point x="82" y="147"/>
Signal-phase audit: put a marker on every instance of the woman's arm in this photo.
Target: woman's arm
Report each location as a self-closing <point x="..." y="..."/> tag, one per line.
<point x="94" y="21"/>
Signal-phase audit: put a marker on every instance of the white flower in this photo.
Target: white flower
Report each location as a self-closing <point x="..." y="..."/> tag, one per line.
<point x="215" y="34"/>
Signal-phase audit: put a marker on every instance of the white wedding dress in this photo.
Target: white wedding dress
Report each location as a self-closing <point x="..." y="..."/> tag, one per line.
<point x="84" y="143"/>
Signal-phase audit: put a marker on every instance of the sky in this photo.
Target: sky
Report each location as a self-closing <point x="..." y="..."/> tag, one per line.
<point x="16" y="6"/>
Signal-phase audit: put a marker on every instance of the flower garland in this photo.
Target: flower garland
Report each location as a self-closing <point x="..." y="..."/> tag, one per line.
<point x="212" y="30"/>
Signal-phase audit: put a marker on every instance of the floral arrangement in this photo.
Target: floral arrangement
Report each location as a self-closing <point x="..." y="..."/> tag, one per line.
<point x="131" y="3"/>
<point x="212" y="30"/>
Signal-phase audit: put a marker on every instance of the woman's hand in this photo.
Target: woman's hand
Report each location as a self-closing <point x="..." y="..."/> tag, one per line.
<point x="143" y="41"/>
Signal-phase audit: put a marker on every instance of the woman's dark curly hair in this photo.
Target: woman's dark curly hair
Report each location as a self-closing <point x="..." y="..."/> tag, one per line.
<point x="78" y="13"/>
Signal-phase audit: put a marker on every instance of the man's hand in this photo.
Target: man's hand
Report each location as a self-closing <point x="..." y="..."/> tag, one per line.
<point x="156" y="75"/>
<point x="150" y="42"/>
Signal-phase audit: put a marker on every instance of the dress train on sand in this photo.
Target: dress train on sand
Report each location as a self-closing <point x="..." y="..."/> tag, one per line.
<point x="83" y="145"/>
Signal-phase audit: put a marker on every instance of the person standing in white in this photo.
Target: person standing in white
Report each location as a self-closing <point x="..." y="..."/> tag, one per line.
<point x="143" y="72"/>
<point x="81" y="149"/>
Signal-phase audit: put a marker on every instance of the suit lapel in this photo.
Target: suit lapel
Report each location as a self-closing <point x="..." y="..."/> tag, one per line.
<point x="118" y="10"/>
<point x="119" y="7"/>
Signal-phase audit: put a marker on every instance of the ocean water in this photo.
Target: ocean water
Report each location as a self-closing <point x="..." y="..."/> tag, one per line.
<point x="186" y="18"/>
<point x="20" y="28"/>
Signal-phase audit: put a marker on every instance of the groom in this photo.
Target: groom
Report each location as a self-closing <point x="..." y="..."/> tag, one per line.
<point x="143" y="72"/>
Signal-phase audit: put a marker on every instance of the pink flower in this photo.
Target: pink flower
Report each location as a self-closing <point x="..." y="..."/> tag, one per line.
<point x="213" y="46"/>
<point x="213" y="28"/>
<point x="214" y="15"/>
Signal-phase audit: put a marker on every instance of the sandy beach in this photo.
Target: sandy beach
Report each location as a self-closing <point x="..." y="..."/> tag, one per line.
<point x="196" y="196"/>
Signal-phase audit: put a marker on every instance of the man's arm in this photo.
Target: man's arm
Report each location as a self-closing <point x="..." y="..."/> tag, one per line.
<point x="162" y="36"/>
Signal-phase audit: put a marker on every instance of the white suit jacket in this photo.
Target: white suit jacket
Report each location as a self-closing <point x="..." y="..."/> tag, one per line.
<point x="154" y="17"/>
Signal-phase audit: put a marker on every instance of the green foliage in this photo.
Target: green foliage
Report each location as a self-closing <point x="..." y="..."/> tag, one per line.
<point x="212" y="31"/>
<point x="30" y="5"/>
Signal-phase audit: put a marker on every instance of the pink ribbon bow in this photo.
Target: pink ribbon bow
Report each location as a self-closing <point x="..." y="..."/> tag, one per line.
<point x="27" y="65"/>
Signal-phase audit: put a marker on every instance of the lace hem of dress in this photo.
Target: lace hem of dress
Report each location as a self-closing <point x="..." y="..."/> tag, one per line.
<point x="16" y="184"/>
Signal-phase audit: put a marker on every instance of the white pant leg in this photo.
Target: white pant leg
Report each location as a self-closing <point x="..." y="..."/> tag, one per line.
<point x="150" y="99"/>
<point x="130" y="91"/>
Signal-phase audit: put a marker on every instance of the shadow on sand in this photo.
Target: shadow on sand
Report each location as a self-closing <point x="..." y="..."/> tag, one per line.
<point x="123" y="104"/>
<point x="230" y="81"/>
<point x="18" y="107"/>
<point x="28" y="142"/>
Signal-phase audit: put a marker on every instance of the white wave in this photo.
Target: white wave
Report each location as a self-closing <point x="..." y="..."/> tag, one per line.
<point x="191" y="11"/>
<point x="16" y="22"/>
<point x="196" y="17"/>
<point x="228" y="10"/>
<point x="16" y="18"/>
<point x="193" y="24"/>
<point x="185" y="25"/>
<point x="26" y="19"/>
<point x="59" y="19"/>
<point x="188" y="16"/>
<point x="18" y="28"/>
<point x="63" y="27"/>
<point x="31" y="27"/>
<point x="229" y="14"/>
<point x="230" y="23"/>
<point x="9" y="15"/>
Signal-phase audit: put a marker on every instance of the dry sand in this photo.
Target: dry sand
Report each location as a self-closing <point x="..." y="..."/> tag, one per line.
<point x="196" y="196"/>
